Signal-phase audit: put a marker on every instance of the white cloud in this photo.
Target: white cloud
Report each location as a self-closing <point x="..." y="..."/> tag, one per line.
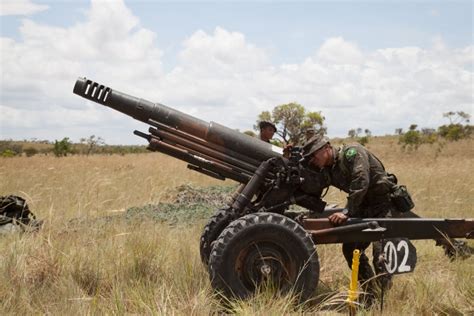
<point x="38" y="71"/>
<point x="20" y="7"/>
<point x="220" y="76"/>
<point x="339" y="51"/>
<point x="222" y="52"/>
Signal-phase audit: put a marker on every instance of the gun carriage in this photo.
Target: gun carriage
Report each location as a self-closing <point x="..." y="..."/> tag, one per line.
<point x="256" y="238"/>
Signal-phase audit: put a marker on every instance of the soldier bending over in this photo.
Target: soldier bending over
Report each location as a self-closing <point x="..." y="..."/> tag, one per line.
<point x="356" y="171"/>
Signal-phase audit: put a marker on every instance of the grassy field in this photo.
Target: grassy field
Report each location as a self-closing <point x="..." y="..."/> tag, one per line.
<point x="96" y="256"/>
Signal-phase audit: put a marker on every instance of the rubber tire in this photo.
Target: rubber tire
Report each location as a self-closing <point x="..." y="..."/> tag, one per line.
<point x="234" y="245"/>
<point x="217" y="223"/>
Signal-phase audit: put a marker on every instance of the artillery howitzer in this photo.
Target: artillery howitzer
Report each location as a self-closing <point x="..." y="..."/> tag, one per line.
<point x="256" y="238"/>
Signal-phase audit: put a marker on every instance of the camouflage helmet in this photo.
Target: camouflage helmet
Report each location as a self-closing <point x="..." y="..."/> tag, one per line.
<point x="314" y="144"/>
<point x="264" y="124"/>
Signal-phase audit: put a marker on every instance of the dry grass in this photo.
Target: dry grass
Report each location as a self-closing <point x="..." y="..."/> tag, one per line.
<point x="75" y="186"/>
<point x="131" y="267"/>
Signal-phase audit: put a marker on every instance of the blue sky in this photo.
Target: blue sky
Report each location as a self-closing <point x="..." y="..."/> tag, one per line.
<point x="372" y="64"/>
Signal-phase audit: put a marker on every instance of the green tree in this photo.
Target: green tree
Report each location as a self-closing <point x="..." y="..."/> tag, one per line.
<point x="264" y="116"/>
<point x="91" y="143"/>
<point x="411" y="139"/>
<point x="62" y="147"/>
<point x="292" y="120"/>
<point x="458" y="117"/>
<point x="455" y="130"/>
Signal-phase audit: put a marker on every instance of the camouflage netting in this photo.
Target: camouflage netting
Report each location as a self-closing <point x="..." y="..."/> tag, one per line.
<point x="190" y="203"/>
<point x="215" y="196"/>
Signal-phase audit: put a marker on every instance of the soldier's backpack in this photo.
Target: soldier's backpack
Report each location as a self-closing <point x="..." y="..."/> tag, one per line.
<point x="13" y="209"/>
<point x="401" y="198"/>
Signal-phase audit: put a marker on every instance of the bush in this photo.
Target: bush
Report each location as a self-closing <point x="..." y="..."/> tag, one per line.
<point x="9" y="147"/>
<point x="30" y="151"/>
<point x="411" y="139"/>
<point x="8" y="153"/>
<point x="430" y="139"/>
<point x="455" y="132"/>
<point x="62" y="147"/>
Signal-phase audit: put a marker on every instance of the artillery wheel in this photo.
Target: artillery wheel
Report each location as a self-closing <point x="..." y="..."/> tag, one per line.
<point x="217" y="223"/>
<point x="264" y="248"/>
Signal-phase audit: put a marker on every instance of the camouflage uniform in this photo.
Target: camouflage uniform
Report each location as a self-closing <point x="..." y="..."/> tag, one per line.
<point x="361" y="174"/>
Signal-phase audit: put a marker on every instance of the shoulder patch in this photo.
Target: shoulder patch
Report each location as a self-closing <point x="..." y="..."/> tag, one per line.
<point x="350" y="153"/>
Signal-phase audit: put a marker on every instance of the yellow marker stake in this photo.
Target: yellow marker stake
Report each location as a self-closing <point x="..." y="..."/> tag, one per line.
<point x="352" y="297"/>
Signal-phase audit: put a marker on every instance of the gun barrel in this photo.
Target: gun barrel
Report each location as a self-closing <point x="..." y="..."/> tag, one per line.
<point x="197" y="162"/>
<point x="145" y="111"/>
<point x="201" y="150"/>
<point x="139" y="109"/>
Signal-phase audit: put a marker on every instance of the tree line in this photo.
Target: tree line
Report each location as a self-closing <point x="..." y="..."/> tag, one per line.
<point x="457" y="129"/>
<point x="295" y="124"/>
<point x="65" y="147"/>
<point x="292" y="120"/>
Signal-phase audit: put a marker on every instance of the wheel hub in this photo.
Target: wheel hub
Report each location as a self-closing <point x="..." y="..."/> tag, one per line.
<point x="262" y="262"/>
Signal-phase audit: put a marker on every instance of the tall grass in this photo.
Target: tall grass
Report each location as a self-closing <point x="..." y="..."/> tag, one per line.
<point x="75" y="186"/>
<point x="89" y="260"/>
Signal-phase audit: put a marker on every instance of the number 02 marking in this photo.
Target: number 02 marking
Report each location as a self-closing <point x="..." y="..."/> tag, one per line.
<point x="392" y="259"/>
<point x="403" y="266"/>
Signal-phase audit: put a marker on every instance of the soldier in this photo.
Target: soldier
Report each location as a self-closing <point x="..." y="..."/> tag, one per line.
<point x="358" y="172"/>
<point x="267" y="130"/>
